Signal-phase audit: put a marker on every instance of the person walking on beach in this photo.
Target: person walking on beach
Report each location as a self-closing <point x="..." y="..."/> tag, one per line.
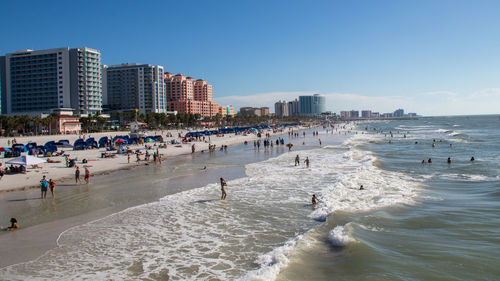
<point x="52" y="185"/>
<point x="87" y="175"/>
<point x="223" y="189"/>
<point x="44" y="185"/>
<point x="128" y="157"/>
<point x="307" y="162"/>
<point x="297" y="160"/>
<point x="77" y="175"/>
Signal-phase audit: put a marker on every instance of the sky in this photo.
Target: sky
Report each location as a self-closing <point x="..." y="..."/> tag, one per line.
<point x="438" y="57"/>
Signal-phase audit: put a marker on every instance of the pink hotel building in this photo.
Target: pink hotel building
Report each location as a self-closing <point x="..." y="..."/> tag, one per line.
<point x="186" y="95"/>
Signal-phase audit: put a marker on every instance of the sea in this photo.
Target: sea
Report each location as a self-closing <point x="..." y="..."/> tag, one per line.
<point x="413" y="220"/>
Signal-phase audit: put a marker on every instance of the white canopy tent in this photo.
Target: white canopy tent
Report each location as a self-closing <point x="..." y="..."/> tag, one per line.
<point x="26" y="160"/>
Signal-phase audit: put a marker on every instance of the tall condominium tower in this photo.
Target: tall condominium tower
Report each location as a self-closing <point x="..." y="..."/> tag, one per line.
<point x="36" y="82"/>
<point x="185" y="95"/>
<point x="86" y="84"/>
<point x="134" y="86"/>
<point x="312" y="105"/>
<point x="281" y="108"/>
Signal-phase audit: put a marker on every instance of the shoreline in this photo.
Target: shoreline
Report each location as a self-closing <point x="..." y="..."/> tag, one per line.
<point x="35" y="240"/>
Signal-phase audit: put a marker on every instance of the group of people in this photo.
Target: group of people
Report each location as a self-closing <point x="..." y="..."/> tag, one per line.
<point x="45" y="185"/>
<point x="86" y="177"/>
<point x="297" y="161"/>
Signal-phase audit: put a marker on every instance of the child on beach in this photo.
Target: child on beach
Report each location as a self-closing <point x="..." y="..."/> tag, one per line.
<point x="87" y="175"/>
<point x="77" y="175"/>
<point x="13" y="224"/>
<point x="52" y="185"/>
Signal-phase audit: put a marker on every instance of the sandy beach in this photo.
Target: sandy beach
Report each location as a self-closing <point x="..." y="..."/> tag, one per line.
<point x="97" y="165"/>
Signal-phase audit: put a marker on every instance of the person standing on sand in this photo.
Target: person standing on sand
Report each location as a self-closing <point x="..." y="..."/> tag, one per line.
<point x="128" y="157"/>
<point x="223" y="189"/>
<point x="52" y="185"/>
<point x="87" y="175"/>
<point x="44" y="185"/>
<point x="77" y="175"/>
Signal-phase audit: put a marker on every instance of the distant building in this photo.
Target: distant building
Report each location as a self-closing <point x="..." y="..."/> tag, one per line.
<point x="262" y="111"/>
<point x="281" y="109"/>
<point x="354" y="114"/>
<point x="293" y="108"/>
<point x="366" y="114"/>
<point x="64" y="122"/>
<point x="375" y="115"/>
<point x="128" y="87"/>
<point x="226" y="110"/>
<point x="387" y="115"/>
<point x="186" y="95"/>
<point x="399" y="113"/>
<point x="312" y="105"/>
<point x="35" y="82"/>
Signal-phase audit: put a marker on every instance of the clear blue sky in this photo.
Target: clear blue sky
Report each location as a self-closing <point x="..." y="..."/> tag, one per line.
<point x="433" y="57"/>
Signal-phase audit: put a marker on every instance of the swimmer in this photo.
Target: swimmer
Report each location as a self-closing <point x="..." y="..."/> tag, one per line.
<point x="314" y="200"/>
<point x="297" y="160"/>
<point x="472" y="158"/>
<point x="449" y="160"/>
<point x="13" y="224"/>
<point x="307" y="162"/>
<point x="429" y="161"/>
<point x="361" y="187"/>
<point x="222" y="188"/>
<point x="204" y="168"/>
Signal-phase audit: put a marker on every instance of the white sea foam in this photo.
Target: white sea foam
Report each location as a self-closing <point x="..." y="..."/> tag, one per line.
<point x="273" y="262"/>
<point x="454" y="134"/>
<point x="443" y="131"/>
<point x="340" y="236"/>
<point x="469" y="178"/>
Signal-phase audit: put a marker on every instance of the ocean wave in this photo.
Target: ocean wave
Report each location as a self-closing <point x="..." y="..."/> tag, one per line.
<point x="454" y="134"/>
<point x="272" y="263"/>
<point x="469" y="177"/>
<point x="340" y="236"/>
<point x="443" y="131"/>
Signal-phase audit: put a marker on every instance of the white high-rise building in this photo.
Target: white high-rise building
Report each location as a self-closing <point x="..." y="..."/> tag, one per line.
<point x="134" y="86"/>
<point x="35" y="82"/>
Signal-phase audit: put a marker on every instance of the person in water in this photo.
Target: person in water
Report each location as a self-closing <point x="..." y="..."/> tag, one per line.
<point x="44" y="186"/>
<point x="13" y="224"/>
<point x="361" y="187"/>
<point x="223" y="189"/>
<point x="307" y="162"/>
<point x="314" y="200"/>
<point x="297" y="160"/>
<point x="449" y="160"/>
<point x="472" y="158"/>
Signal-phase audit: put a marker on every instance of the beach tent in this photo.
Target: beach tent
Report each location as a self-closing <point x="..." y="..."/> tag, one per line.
<point x="26" y="160"/>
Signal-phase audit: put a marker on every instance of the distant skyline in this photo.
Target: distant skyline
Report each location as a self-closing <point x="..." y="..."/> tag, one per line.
<point x="430" y="57"/>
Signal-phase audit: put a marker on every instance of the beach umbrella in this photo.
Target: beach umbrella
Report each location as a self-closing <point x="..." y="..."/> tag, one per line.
<point x="119" y="141"/>
<point x="4" y="149"/>
<point x="149" y="140"/>
<point x="26" y="160"/>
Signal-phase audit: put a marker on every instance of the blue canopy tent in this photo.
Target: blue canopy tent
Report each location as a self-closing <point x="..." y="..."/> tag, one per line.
<point x="79" y="144"/>
<point x="103" y="141"/>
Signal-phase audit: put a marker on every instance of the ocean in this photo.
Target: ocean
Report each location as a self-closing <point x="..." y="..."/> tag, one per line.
<point x="412" y="221"/>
